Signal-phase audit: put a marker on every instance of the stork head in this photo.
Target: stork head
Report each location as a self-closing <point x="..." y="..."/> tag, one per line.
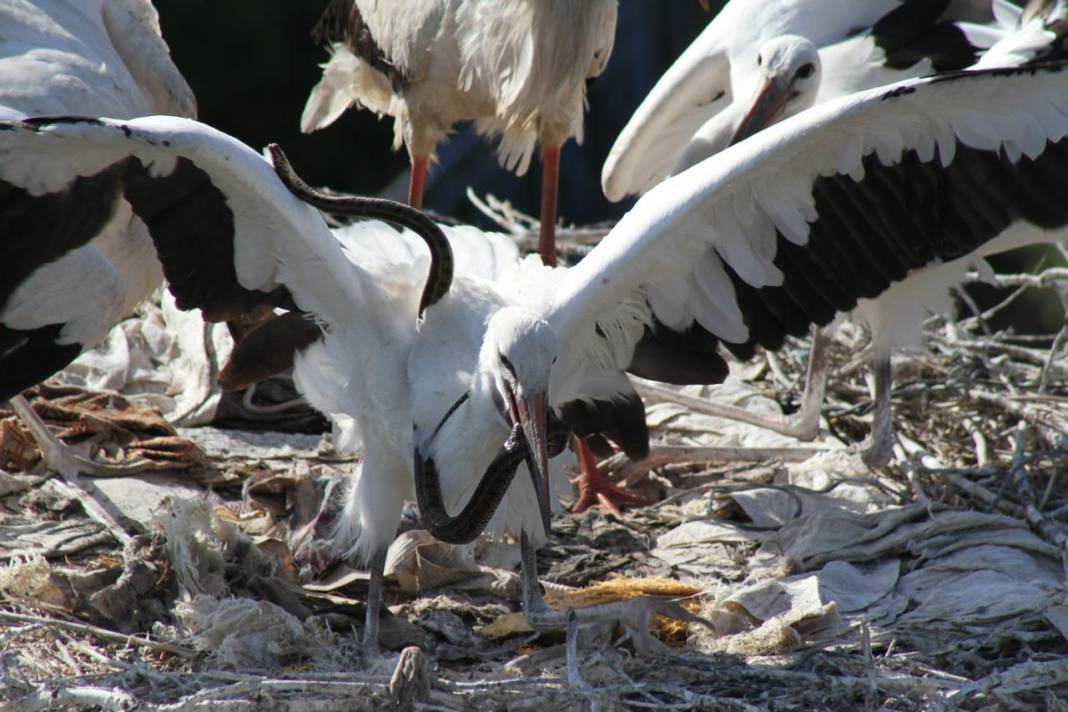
<point x="788" y="80"/>
<point x="517" y="357"/>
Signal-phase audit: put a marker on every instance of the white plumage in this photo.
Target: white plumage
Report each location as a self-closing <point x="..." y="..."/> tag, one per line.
<point x="859" y="63"/>
<point x="517" y="68"/>
<point x="721" y="72"/>
<point x="741" y="247"/>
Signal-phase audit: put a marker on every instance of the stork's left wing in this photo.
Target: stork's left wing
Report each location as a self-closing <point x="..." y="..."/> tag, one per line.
<point x="791" y="226"/>
<point x="229" y="234"/>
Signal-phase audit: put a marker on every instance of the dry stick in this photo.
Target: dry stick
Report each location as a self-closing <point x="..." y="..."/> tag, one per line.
<point x="213" y="696"/>
<point x="993" y="311"/>
<point x="676" y="455"/>
<point x="1019" y="474"/>
<point x="872" y="694"/>
<point x="1020" y="411"/>
<point x="93" y="507"/>
<point x="1034" y="357"/>
<point x="483" y="207"/>
<point x="1024" y="677"/>
<point x="981" y="493"/>
<point x="779" y="424"/>
<point x="1049" y="490"/>
<point x="73" y="697"/>
<point x="974" y="309"/>
<point x="524" y="228"/>
<point x="1046" y="278"/>
<point x="103" y="633"/>
<point x="1062" y="337"/>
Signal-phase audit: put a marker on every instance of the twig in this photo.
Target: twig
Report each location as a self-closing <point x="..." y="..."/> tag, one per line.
<point x="1062" y="337"/>
<point x="1018" y="474"/>
<point x="979" y="492"/>
<point x="673" y="455"/>
<point x="778" y="424"/>
<point x="1021" y="411"/>
<point x="1019" y="678"/>
<point x="974" y="308"/>
<point x="1044" y="279"/>
<point x="102" y="633"/>
<point x="255" y="688"/>
<point x="872" y="694"/>
<point x="75" y="489"/>
<point x="51" y="698"/>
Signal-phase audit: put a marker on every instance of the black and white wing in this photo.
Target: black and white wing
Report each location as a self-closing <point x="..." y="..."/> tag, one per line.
<point x="229" y="234"/>
<point x="797" y="223"/>
<point x="76" y="260"/>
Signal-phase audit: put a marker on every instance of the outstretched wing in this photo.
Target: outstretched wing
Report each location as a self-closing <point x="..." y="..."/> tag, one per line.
<point x="228" y="233"/>
<point x="797" y="223"/>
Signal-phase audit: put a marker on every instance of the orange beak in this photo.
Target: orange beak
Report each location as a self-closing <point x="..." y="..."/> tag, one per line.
<point x="767" y="107"/>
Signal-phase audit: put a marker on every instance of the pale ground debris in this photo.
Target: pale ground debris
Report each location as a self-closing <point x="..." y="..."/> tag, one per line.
<point x="940" y="582"/>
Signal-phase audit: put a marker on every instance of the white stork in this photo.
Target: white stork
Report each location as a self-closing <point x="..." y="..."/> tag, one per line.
<point x="721" y="71"/>
<point x="912" y="40"/>
<point x="1020" y="37"/>
<point x="786" y="75"/>
<point x="72" y="271"/>
<point x="517" y="68"/>
<point x="774" y="234"/>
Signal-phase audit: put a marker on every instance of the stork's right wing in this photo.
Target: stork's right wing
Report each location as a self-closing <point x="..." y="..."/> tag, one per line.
<point x="795" y="224"/>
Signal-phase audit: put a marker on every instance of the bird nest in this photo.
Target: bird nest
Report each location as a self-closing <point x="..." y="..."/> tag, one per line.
<point x="940" y="581"/>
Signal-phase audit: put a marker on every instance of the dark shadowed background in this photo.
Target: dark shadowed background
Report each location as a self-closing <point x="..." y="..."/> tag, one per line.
<point x="252" y="65"/>
<point x="252" y="72"/>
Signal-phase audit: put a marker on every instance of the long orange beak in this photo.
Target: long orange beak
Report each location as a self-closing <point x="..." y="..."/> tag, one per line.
<point x="533" y="417"/>
<point x="767" y="107"/>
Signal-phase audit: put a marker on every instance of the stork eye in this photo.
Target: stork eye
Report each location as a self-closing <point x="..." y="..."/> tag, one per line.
<point x="760" y="60"/>
<point x="806" y="70"/>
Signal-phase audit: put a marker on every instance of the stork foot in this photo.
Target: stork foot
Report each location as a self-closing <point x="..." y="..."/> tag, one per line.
<point x="876" y="452"/>
<point x="596" y="490"/>
<point x="70" y="465"/>
<point x="58" y="457"/>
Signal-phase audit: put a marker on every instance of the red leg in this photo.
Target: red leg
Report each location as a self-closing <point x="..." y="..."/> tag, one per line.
<point x="418" y="181"/>
<point x="595" y="490"/>
<point x="550" y="185"/>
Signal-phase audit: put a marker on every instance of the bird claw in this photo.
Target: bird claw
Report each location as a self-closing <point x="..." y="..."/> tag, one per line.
<point x="595" y="489"/>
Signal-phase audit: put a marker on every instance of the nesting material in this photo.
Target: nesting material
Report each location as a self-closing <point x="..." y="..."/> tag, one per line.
<point x="162" y="358"/>
<point x="611" y="591"/>
<point x="244" y="634"/>
<point x="30" y="581"/>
